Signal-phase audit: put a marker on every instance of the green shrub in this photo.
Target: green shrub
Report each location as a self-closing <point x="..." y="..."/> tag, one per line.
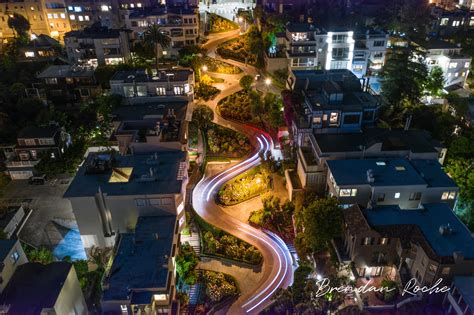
<point x="219" y="286"/>
<point x="219" y="24"/>
<point x="243" y="187"/>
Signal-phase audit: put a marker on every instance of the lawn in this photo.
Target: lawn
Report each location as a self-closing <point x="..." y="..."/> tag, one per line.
<point x="247" y="185"/>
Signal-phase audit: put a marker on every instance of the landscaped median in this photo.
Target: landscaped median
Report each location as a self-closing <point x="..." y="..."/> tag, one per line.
<point x="219" y="24"/>
<point x="220" y="244"/>
<point x="247" y="185"/>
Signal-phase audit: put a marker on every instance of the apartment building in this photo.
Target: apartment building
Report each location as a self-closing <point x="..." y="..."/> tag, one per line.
<point x="459" y="299"/>
<point x="142" y="276"/>
<point x="35" y="288"/>
<point x="32" y="10"/>
<point x="334" y="101"/>
<point x="110" y="192"/>
<point x="181" y="24"/>
<point x="66" y="85"/>
<point x="370" y="143"/>
<point x="426" y="244"/>
<point x="32" y="143"/>
<point x="139" y="86"/>
<point x="97" y="46"/>
<point x="40" y="48"/>
<point x="379" y="182"/>
<point x="11" y="256"/>
<point x="84" y="13"/>
<point x="309" y="48"/>
<point x="449" y="58"/>
<point x="447" y="23"/>
<point x="150" y="127"/>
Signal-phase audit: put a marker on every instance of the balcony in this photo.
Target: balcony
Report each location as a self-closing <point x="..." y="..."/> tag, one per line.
<point x="21" y="163"/>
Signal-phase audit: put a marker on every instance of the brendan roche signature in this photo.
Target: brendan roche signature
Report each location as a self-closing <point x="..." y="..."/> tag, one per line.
<point x="412" y="288"/>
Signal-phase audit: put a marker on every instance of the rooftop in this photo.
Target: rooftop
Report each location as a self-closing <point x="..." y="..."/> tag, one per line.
<point x="95" y="31"/>
<point x="417" y="141"/>
<point x="172" y="75"/>
<point x="151" y="110"/>
<point x="141" y="261"/>
<point x="66" y="71"/>
<point x="429" y="220"/>
<point x="432" y="173"/>
<point x="35" y="286"/>
<point x="37" y="132"/>
<point x="437" y="44"/>
<point x="145" y="174"/>
<point x="5" y="248"/>
<point x="465" y="286"/>
<point x="161" y="11"/>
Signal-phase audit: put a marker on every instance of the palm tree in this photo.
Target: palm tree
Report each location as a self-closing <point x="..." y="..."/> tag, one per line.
<point x="156" y="37"/>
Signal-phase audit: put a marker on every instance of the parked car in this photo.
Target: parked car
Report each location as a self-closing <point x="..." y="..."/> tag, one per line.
<point x="37" y="180"/>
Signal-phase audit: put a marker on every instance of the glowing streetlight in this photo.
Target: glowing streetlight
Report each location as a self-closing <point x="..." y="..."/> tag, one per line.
<point x="318" y="277"/>
<point x="352" y="278"/>
<point x="33" y="36"/>
<point x="204" y="68"/>
<point x="241" y="19"/>
<point x="268" y="81"/>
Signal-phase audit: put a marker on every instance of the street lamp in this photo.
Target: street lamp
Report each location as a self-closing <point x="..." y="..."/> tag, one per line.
<point x="204" y="68"/>
<point x="268" y="81"/>
<point x="33" y="36"/>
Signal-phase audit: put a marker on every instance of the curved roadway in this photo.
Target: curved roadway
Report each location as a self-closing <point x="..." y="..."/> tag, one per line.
<point x="277" y="269"/>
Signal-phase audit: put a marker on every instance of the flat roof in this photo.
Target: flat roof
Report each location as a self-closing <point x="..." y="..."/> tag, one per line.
<point x="153" y="173"/>
<point x="157" y="108"/>
<point x="417" y="141"/>
<point x="5" y="248"/>
<point x="436" y="44"/>
<point x="432" y="173"/>
<point x="429" y="220"/>
<point x="141" y="261"/>
<point x="35" y="286"/>
<point x="96" y="32"/>
<point x="37" y="132"/>
<point x="465" y="286"/>
<point x="66" y="71"/>
<point x="140" y="75"/>
<point x="386" y="172"/>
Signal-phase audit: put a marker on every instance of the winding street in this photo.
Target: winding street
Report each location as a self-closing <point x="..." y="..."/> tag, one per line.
<point x="277" y="269"/>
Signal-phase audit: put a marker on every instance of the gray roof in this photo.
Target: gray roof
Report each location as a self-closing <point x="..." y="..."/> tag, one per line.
<point x="354" y="172"/>
<point x="139" y="111"/>
<point x="417" y="141"/>
<point x="141" y="75"/>
<point x="141" y="259"/>
<point x="66" y="71"/>
<point x="37" y="132"/>
<point x="436" y="44"/>
<point x="5" y="248"/>
<point x="153" y="173"/>
<point x="95" y="31"/>
<point x="429" y="220"/>
<point x="465" y="286"/>
<point x="35" y="286"/>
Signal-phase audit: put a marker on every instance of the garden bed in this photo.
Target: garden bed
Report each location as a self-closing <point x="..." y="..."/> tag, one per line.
<point x="247" y="185"/>
<point x="227" y="143"/>
<point x="218" y="66"/>
<point x="237" y="49"/>
<point x="220" y="244"/>
<point x="220" y="289"/>
<point x="219" y="24"/>
<point x="206" y="92"/>
<point x="236" y="106"/>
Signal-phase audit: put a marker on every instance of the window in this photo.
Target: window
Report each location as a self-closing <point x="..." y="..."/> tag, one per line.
<point x="453" y="65"/>
<point x="72" y="17"/>
<point x="140" y="202"/>
<point x="29" y="54"/>
<point x="63" y="16"/>
<point x="124" y="309"/>
<point x="160" y="91"/>
<point x="357" y="68"/>
<point x="80" y="18"/>
<point x="14" y="257"/>
<point x="84" y="92"/>
<point x="141" y="90"/>
<point x="86" y="17"/>
<point x="339" y="38"/>
<point x="139" y="5"/>
<point x="381" y="197"/>
<point x="51" y="81"/>
<point x="466" y="65"/>
<point x="415" y="196"/>
<point x="178" y="90"/>
<point x="30" y="142"/>
<point x="50" y="16"/>
<point x="456" y="23"/>
<point x="340" y="53"/>
<point x="400" y="168"/>
<point x="383" y="241"/>
<point x="347" y="192"/>
<point x="367" y="241"/>
<point x="445" y="271"/>
<point x="432" y="268"/>
<point x="451" y="195"/>
<point x="317" y="120"/>
<point x="379" y="43"/>
<point x="333" y="118"/>
<point x="444" y="21"/>
<point x="55" y="15"/>
<point x="142" y="23"/>
<point x="397" y="195"/>
<point x="104" y="8"/>
<point x="380" y="163"/>
<point x="77" y="9"/>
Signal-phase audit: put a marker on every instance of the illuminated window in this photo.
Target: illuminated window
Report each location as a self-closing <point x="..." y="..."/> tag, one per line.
<point x="14" y="257"/>
<point x="445" y="271"/>
<point x="160" y="91"/>
<point x="448" y="195"/>
<point x="77" y="9"/>
<point x="132" y="5"/>
<point x="347" y="192"/>
<point x="452" y="195"/>
<point x="367" y="241"/>
<point x="397" y="195"/>
<point x="80" y="17"/>
<point x="444" y="21"/>
<point x="383" y="241"/>
<point x="453" y="65"/>
<point x="333" y="118"/>
<point x="432" y="268"/>
<point x="466" y="65"/>
<point x="104" y="8"/>
<point x="72" y="17"/>
<point x="139" y="5"/>
<point x="63" y="16"/>
<point x="55" y="15"/>
<point x="86" y="17"/>
<point x="124" y="309"/>
<point x="29" y="54"/>
<point x="50" y="16"/>
<point x="400" y="168"/>
<point x="70" y="8"/>
<point x="32" y="8"/>
<point x="317" y="120"/>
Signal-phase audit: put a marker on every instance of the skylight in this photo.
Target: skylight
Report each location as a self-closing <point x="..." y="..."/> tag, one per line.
<point x="380" y="163"/>
<point x="121" y="174"/>
<point x="400" y="168"/>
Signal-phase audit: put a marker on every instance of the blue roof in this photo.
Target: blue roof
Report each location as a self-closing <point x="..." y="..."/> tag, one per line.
<point x="432" y="173"/>
<point x="354" y="172"/>
<point x="165" y="173"/>
<point x="5" y="248"/>
<point x="141" y="259"/>
<point x="429" y="220"/>
<point x="465" y="286"/>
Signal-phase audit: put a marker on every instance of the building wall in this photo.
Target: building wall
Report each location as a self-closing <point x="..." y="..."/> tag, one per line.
<point x="70" y="299"/>
<point x="15" y="258"/>
<point x="33" y="11"/>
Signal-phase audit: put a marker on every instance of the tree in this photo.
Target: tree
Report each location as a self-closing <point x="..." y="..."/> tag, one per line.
<point x="435" y="82"/>
<point x="41" y="255"/>
<point x="186" y="262"/>
<point x="403" y="80"/>
<point x="155" y="36"/>
<point x="246" y="82"/>
<point x="322" y="222"/>
<point x="203" y="116"/>
<point x="19" y="24"/>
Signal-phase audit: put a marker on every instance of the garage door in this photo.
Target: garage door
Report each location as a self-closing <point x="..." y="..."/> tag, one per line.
<point x="20" y="174"/>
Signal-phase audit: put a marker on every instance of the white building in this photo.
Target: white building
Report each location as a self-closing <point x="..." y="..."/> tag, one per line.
<point x="449" y="58"/>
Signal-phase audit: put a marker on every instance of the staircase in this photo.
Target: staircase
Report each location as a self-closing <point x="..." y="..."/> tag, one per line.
<point x="193" y="240"/>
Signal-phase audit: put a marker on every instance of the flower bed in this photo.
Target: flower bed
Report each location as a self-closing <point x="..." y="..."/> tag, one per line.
<point x="244" y="187"/>
<point x="225" y="142"/>
<point x="237" y="49"/>
<point x="220" y="24"/>
<point x="218" y="66"/>
<point x="236" y="106"/>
